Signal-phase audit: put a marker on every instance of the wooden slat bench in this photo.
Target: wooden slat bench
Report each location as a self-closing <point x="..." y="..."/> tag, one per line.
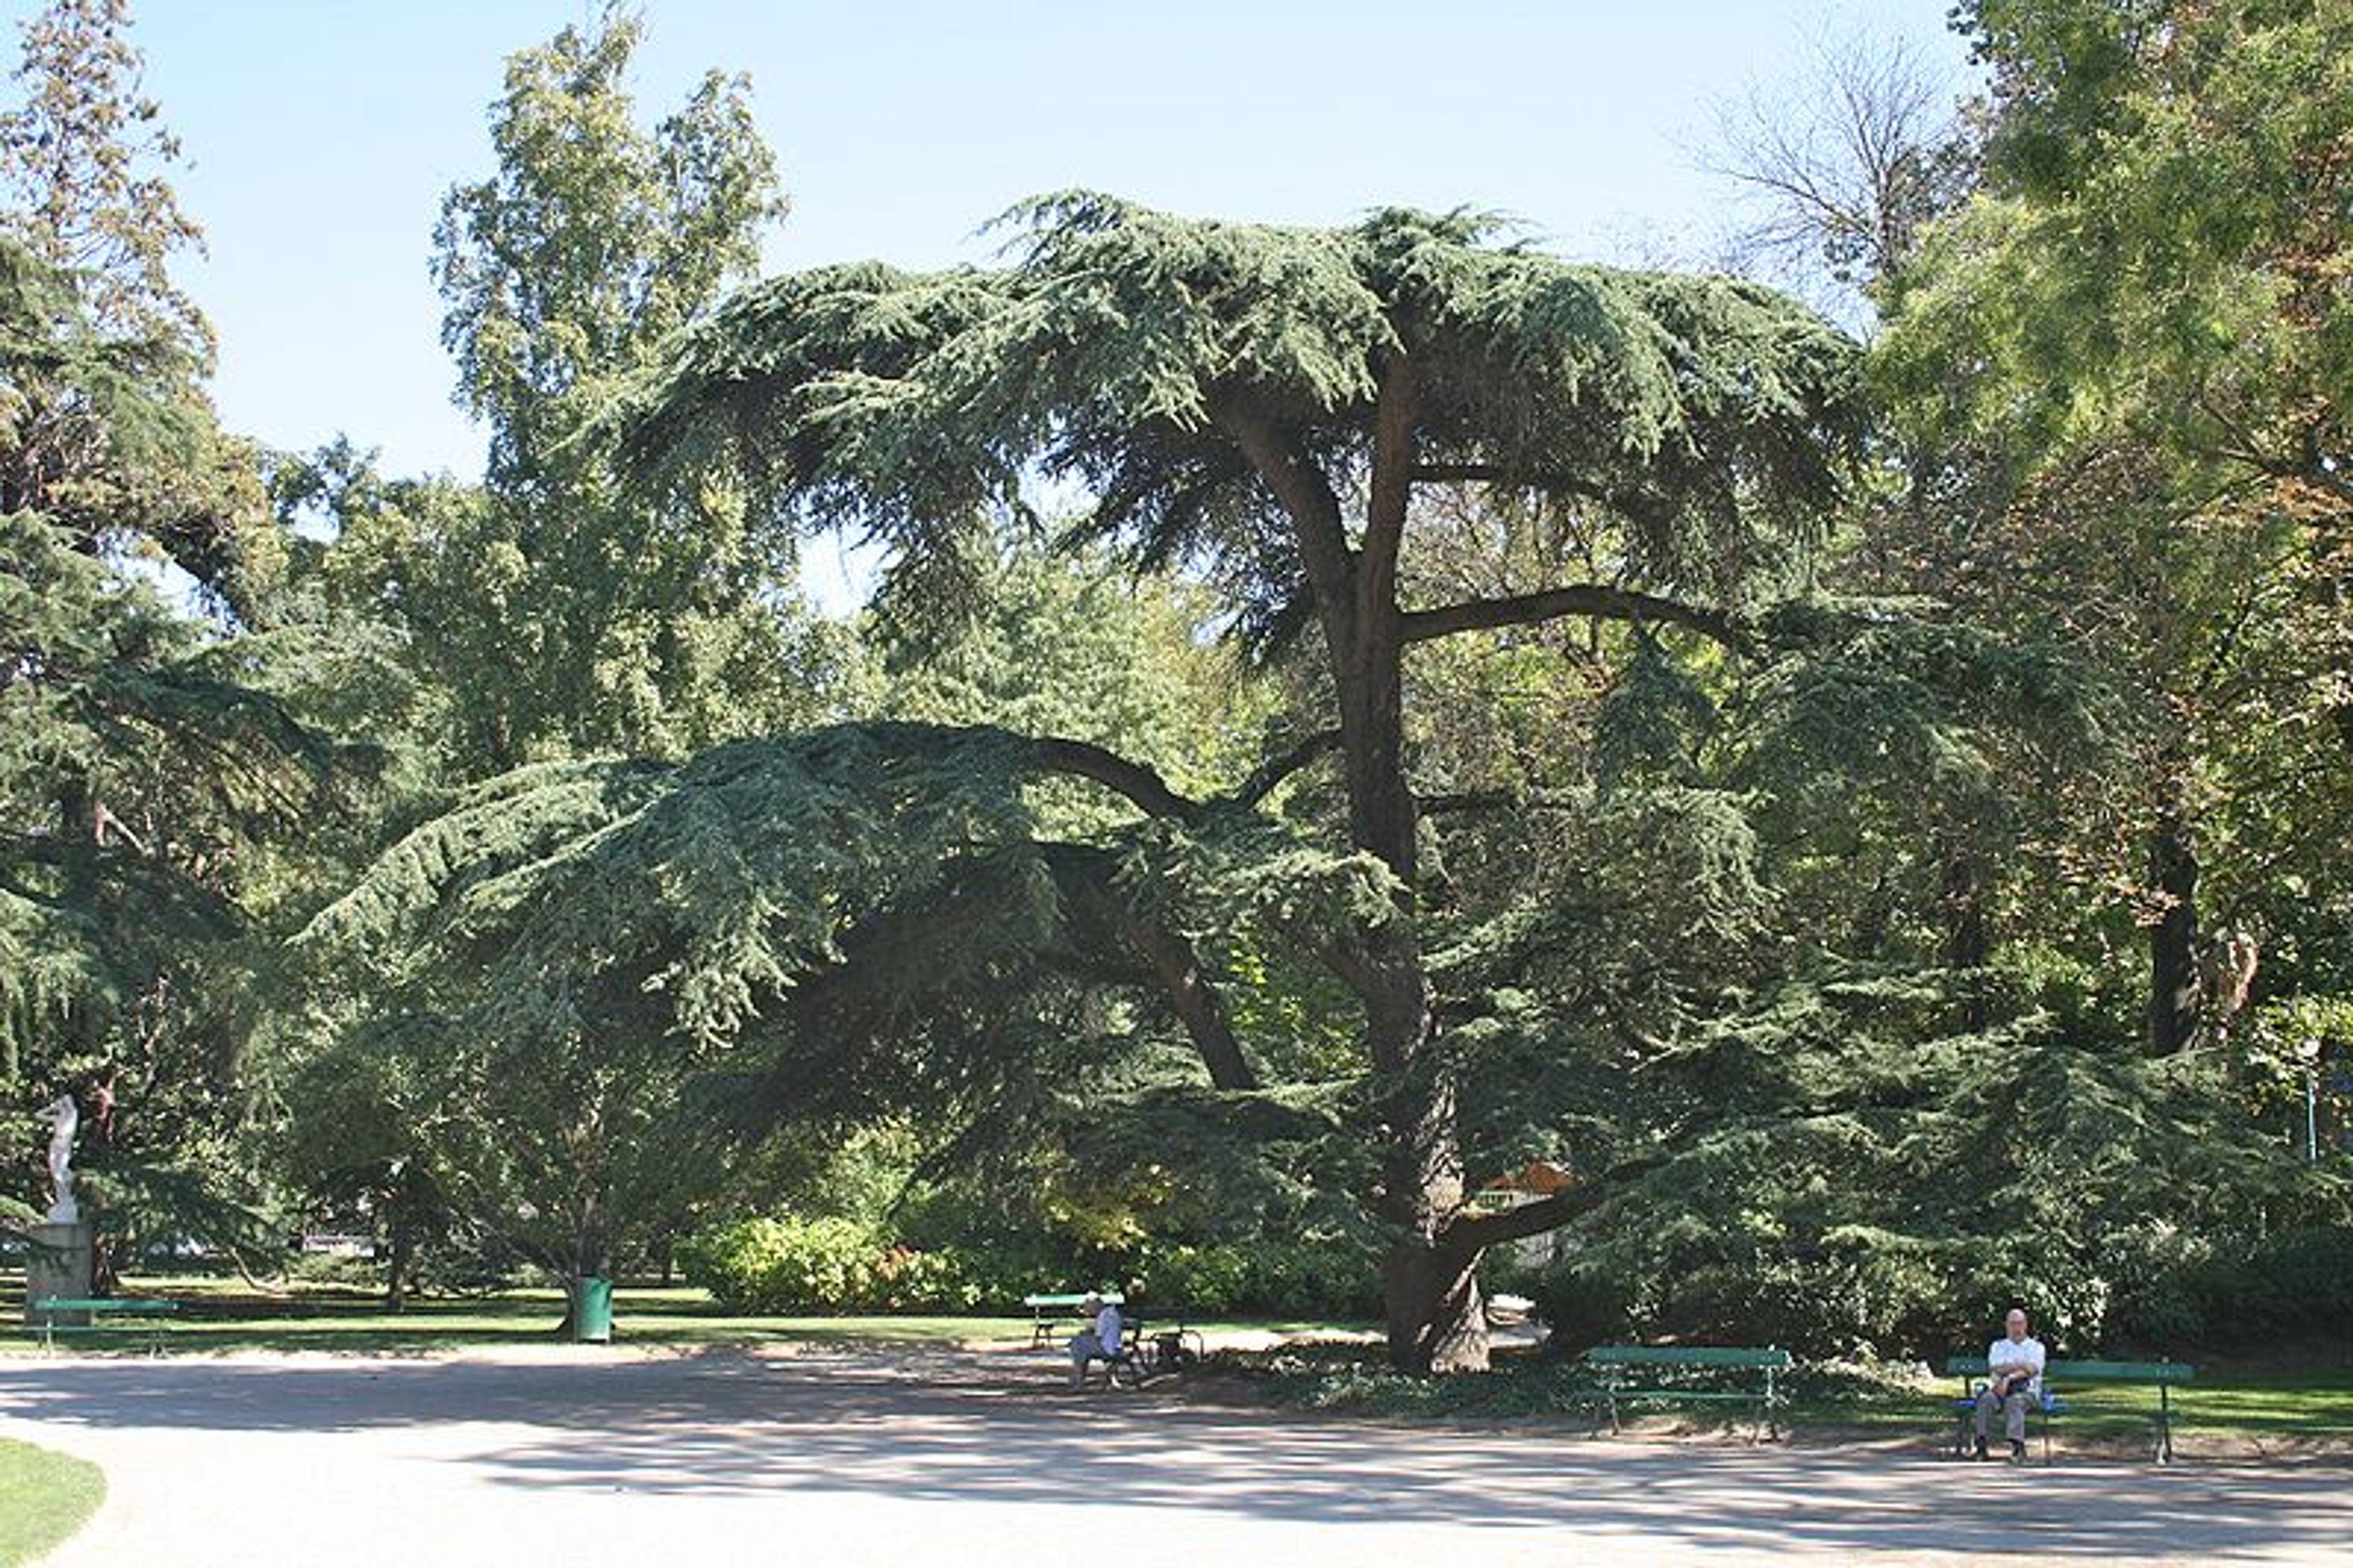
<point x="2164" y="1373"/>
<point x="86" y="1315"/>
<point x="1662" y="1374"/>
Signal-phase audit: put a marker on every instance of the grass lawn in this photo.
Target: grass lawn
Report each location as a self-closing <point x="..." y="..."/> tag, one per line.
<point x="2314" y="1404"/>
<point x="230" y="1315"/>
<point x="44" y="1497"/>
<point x="217" y="1314"/>
<point x="2308" y="1406"/>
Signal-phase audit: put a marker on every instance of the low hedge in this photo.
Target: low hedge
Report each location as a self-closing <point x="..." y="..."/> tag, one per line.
<point x="781" y="1264"/>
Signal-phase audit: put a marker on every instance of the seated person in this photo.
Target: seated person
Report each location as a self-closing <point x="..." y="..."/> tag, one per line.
<point x="2014" y="1380"/>
<point x="1099" y="1340"/>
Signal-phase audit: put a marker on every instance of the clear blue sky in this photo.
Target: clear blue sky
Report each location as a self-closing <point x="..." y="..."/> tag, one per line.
<point x="323" y="135"/>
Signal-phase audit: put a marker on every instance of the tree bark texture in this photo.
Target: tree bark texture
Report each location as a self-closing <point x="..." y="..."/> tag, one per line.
<point x="404" y="1248"/>
<point x="1435" y="1318"/>
<point x="1967" y="933"/>
<point x="2173" y="977"/>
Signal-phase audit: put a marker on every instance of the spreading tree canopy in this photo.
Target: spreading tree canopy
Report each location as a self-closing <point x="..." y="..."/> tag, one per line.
<point x="1268" y="405"/>
<point x="1271" y="410"/>
<point x="139" y="764"/>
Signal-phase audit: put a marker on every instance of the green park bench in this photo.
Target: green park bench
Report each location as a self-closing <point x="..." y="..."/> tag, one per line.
<point x="1693" y="1374"/>
<point x="2164" y="1373"/>
<point x="91" y="1314"/>
<point x="1049" y="1312"/>
<point x="1151" y="1344"/>
<point x="1154" y="1343"/>
<point x="1150" y="1347"/>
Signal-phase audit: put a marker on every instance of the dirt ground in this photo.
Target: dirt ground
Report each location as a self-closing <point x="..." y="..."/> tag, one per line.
<point x="589" y="1457"/>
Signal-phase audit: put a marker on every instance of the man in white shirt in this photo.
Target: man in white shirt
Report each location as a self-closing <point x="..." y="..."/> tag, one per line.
<point x="2014" y="1380"/>
<point x="1099" y="1340"/>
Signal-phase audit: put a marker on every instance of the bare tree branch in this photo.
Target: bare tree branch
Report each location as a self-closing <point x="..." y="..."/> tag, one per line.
<point x="1847" y="169"/>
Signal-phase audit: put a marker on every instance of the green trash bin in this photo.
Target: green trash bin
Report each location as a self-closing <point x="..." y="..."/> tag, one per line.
<point x="592" y="1311"/>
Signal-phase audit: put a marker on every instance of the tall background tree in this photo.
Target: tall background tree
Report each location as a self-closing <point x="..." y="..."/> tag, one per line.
<point x="2085" y="372"/>
<point x="591" y="621"/>
<point x="543" y="615"/>
<point x="146" y="765"/>
<point x="84" y="158"/>
<point x="2146" y="299"/>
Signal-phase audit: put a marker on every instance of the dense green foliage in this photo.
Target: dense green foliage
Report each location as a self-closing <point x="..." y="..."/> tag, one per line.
<point x="1233" y="396"/>
<point x="786" y="1265"/>
<point x="565" y="616"/>
<point x="1870" y="818"/>
<point x="2110" y="375"/>
<point x="143" y="766"/>
<point x="779" y="1265"/>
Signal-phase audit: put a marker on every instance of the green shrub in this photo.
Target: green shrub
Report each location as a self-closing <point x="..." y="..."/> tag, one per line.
<point x="1583" y="1305"/>
<point x="1275" y="1278"/>
<point x="769" y="1266"/>
<point x="2293" y="1285"/>
<point x="944" y="1280"/>
<point x="1210" y="1280"/>
<point x="327" y="1268"/>
<point x="1843" y="1293"/>
<point x="1320" y="1279"/>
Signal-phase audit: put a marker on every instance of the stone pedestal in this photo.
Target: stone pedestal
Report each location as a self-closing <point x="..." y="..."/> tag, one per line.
<point x="59" y="1264"/>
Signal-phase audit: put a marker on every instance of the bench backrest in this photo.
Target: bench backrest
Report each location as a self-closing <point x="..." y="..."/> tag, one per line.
<point x="2087" y="1372"/>
<point x="1688" y="1356"/>
<point x="103" y="1304"/>
<point x="1064" y="1299"/>
<point x="2121" y="1372"/>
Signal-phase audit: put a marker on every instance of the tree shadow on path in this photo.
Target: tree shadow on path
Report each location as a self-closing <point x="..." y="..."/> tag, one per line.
<point x="949" y="1427"/>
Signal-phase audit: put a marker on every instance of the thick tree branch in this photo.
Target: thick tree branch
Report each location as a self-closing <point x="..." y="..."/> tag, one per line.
<point x="1308" y="497"/>
<point x="1274" y="771"/>
<point x="1392" y="488"/>
<point x="1148" y="791"/>
<point x="1185" y="984"/>
<point x="1350" y="966"/>
<point x="1143" y="788"/>
<point x="1085" y="875"/>
<point x="1471" y="1232"/>
<point x="1591" y="600"/>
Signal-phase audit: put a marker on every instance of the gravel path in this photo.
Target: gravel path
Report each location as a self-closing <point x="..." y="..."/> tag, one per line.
<point x="583" y="1459"/>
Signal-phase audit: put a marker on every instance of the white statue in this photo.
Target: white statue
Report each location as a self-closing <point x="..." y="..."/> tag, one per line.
<point x="64" y="1117"/>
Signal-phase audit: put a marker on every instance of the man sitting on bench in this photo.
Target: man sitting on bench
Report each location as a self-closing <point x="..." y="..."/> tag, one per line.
<point x="2014" y="1379"/>
<point x="1099" y="1340"/>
